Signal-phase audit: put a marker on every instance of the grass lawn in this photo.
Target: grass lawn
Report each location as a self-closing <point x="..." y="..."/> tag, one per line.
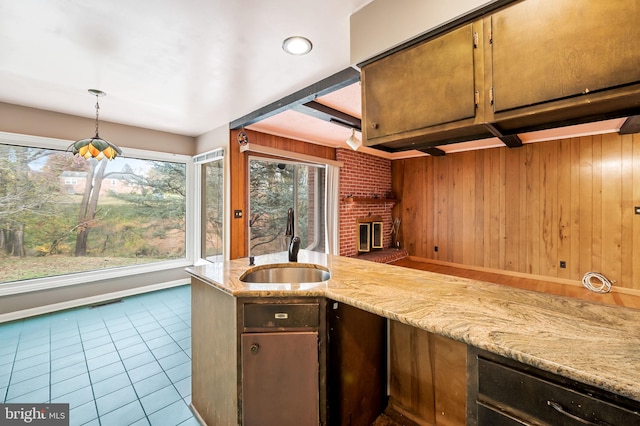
<point x="23" y="268"/>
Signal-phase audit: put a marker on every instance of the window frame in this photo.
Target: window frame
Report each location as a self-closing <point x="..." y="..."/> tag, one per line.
<point x="200" y="161"/>
<point x="87" y="277"/>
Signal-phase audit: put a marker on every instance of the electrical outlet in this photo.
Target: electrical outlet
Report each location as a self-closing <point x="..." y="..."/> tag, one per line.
<point x="637" y="209"/>
<point x="563" y="264"/>
<point x="435" y="248"/>
<point x="237" y="214"/>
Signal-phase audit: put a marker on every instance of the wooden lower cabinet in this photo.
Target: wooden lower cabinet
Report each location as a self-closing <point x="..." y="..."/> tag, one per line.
<point x="427" y="378"/>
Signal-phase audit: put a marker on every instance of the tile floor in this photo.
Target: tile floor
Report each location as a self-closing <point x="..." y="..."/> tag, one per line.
<point x="118" y="364"/>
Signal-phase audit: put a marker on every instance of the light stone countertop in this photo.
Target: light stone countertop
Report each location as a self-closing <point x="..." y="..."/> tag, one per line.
<point x="595" y="344"/>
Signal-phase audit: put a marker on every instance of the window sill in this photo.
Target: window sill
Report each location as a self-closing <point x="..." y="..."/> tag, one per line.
<point x="38" y="284"/>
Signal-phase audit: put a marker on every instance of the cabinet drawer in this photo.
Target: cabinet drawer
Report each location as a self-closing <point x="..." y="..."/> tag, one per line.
<point x="281" y="316"/>
<point x="524" y="396"/>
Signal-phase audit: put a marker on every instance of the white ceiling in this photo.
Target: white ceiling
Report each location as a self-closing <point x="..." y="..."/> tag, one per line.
<point x="189" y="66"/>
<point x="182" y="66"/>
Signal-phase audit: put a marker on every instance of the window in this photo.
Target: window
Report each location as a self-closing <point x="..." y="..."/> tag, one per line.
<point x="276" y="186"/>
<point x="212" y="213"/>
<point x="49" y="229"/>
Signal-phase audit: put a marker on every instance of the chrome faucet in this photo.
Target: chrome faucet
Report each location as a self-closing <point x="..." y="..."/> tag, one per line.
<point x="293" y="242"/>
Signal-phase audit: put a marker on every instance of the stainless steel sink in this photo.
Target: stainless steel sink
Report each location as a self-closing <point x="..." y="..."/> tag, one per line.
<point x="286" y="273"/>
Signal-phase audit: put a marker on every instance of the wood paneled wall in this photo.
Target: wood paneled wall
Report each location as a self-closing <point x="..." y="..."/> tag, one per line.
<point x="427" y="377"/>
<point x="526" y="209"/>
<point x="239" y="176"/>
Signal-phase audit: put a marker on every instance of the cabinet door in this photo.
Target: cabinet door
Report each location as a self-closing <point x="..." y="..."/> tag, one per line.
<point x="547" y="50"/>
<point x="280" y="383"/>
<point x="428" y="84"/>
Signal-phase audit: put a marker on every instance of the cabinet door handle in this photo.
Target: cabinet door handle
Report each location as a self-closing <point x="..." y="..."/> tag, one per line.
<point x="254" y="348"/>
<point x="560" y="409"/>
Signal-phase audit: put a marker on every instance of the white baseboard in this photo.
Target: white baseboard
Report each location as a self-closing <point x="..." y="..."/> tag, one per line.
<point x="40" y="310"/>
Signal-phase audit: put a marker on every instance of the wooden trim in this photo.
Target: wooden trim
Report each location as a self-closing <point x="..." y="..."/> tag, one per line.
<point x="266" y="150"/>
<point x="614" y="289"/>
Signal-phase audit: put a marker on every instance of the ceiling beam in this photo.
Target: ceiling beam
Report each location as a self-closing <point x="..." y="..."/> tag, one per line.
<point x="330" y="84"/>
<point x="323" y="112"/>
<point x="435" y="152"/>
<point x="630" y="125"/>
<point x="512" y="141"/>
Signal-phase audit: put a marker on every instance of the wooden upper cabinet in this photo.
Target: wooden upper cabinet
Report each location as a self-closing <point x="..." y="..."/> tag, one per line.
<point x="432" y="83"/>
<point x="548" y="50"/>
<point x="530" y="65"/>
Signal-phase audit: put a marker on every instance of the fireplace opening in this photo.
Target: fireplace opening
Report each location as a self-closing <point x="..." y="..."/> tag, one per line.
<point x="369" y="234"/>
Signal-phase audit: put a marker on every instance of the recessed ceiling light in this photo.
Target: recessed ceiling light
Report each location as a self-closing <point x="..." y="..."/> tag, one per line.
<point x="297" y="45"/>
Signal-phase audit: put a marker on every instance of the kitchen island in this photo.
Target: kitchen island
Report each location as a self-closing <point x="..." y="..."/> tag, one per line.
<point x="590" y="343"/>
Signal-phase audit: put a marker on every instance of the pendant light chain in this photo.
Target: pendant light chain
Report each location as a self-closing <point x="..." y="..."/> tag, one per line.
<point x="97" y="113"/>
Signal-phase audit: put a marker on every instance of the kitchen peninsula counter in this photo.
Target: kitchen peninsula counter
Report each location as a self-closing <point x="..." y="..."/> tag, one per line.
<point x="594" y="344"/>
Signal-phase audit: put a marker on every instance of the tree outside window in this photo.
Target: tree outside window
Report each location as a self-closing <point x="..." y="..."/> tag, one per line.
<point x="57" y="217"/>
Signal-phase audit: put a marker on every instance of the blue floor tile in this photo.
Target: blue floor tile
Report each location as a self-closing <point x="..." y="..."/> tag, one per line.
<point x="160" y="399"/>
<point x="111" y="384"/>
<point x="65" y="373"/>
<point x="27" y="386"/>
<point x="171" y="415"/>
<point x="179" y="372"/>
<point x="77" y="398"/>
<point x="28" y="373"/>
<point x="102" y="360"/>
<point x="67" y="386"/>
<point x="115" y="399"/>
<point x="136" y="356"/>
<point x="124" y="415"/>
<point x="108" y="371"/>
<point x="83" y="414"/>
<point x="144" y="371"/>
<point x="120" y="364"/>
<point x="152" y="384"/>
<point x="174" y="360"/>
<point x="38" y="396"/>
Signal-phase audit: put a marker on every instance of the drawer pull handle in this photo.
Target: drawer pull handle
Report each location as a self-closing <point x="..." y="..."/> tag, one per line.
<point x="560" y="409"/>
<point x="281" y="315"/>
<point x="254" y="348"/>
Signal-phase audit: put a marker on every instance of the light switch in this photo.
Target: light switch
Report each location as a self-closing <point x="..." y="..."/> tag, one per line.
<point x="237" y="214"/>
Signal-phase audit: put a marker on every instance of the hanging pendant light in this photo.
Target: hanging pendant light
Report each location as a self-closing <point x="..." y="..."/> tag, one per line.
<point x="95" y="147"/>
<point x="353" y="141"/>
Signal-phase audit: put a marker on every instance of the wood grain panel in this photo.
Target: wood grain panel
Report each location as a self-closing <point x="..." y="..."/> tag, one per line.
<point x="563" y="196"/>
<point x="634" y="254"/>
<point x="526" y="209"/>
<point x="427" y="378"/>
<point x="596" y="236"/>
<point x="513" y="206"/>
<point x="239" y="178"/>
<point x="626" y="240"/>
<point x="467" y="239"/>
<point x="611" y="205"/>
